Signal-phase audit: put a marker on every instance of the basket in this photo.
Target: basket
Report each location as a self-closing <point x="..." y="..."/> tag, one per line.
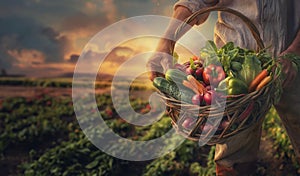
<point x="209" y="117"/>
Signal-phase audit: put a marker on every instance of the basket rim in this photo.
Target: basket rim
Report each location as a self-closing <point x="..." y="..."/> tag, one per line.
<point x="253" y="29"/>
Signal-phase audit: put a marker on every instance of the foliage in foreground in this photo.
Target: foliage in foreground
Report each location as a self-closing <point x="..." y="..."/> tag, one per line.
<point x="46" y="130"/>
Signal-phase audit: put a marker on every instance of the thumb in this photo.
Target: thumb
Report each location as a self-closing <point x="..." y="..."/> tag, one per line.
<point x="167" y="62"/>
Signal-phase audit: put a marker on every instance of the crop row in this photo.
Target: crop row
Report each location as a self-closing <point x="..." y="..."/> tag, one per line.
<point x="46" y="130"/>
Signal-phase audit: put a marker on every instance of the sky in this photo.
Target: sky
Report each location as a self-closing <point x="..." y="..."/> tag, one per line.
<point x="43" y="38"/>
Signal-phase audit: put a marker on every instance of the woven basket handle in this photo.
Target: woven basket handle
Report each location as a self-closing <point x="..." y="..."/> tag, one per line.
<point x="246" y="20"/>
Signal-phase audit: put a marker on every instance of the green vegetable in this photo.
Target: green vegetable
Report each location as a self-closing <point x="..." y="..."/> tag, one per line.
<point x="250" y="68"/>
<point x="236" y="66"/>
<point x="240" y="63"/>
<point x="232" y="86"/>
<point x="175" y="58"/>
<point x="172" y="90"/>
<point x="209" y="53"/>
<point x="176" y="76"/>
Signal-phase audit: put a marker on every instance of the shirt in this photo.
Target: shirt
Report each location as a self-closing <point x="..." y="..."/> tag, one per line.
<point x="277" y="21"/>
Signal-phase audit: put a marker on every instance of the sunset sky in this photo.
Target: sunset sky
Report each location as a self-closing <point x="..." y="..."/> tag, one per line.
<point x="38" y="37"/>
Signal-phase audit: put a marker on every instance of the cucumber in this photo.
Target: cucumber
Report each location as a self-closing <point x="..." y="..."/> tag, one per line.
<point x="176" y="76"/>
<point x="161" y="84"/>
<point x="171" y="89"/>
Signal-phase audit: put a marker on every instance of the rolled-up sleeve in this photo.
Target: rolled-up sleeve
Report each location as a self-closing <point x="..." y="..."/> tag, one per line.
<point x="195" y="5"/>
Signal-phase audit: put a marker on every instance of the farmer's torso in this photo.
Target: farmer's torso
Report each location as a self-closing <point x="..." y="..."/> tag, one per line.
<point x="275" y="20"/>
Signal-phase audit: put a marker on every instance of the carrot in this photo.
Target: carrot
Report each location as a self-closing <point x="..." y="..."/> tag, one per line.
<point x="264" y="82"/>
<point x="254" y="83"/>
<point x="196" y="84"/>
<point x="190" y="86"/>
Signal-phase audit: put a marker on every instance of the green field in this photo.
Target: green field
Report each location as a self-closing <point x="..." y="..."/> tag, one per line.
<point x="41" y="136"/>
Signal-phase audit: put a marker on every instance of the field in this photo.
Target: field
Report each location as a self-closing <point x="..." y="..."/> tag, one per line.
<point x="40" y="135"/>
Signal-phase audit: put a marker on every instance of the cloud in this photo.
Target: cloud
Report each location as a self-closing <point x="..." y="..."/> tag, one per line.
<point x="21" y="36"/>
<point x="39" y="32"/>
<point x="110" y="10"/>
<point x="25" y="57"/>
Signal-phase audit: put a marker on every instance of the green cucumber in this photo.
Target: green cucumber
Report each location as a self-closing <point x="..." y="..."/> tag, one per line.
<point x="171" y="89"/>
<point x="176" y="76"/>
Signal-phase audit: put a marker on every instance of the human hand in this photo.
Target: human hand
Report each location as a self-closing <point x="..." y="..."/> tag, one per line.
<point x="289" y="70"/>
<point x="158" y="64"/>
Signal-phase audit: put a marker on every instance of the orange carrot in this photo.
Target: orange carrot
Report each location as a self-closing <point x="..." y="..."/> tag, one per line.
<point x="255" y="82"/>
<point x="264" y="82"/>
<point x="190" y="86"/>
<point x="196" y="84"/>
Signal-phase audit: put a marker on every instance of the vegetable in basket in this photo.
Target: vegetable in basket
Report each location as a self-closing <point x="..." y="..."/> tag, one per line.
<point x="237" y="62"/>
<point x="172" y="89"/>
<point x="213" y="74"/>
<point x="250" y="68"/>
<point x="175" y="76"/>
<point x="232" y="86"/>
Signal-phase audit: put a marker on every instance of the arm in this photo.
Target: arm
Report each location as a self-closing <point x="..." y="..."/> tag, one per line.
<point x="295" y="46"/>
<point x="180" y="13"/>
<point x="289" y="68"/>
<point x="159" y="63"/>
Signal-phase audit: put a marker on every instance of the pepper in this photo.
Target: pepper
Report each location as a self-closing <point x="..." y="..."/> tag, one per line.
<point x="232" y="86"/>
<point x="213" y="74"/>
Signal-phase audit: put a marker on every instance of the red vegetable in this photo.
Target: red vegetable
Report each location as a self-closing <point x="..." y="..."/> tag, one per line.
<point x="195" y="58"/>
<point x="188" y="122"/>
<point x="189" y="71"/>
<point x="208" y="88"/>
<point x="213" y="74"/>
<point x="198" y="73"/>
<point x="223" y="124"/>
<point x="209" y="97"/>
<point x="246" y="112"/>
<point x="206" y="128"/>
<point x="197" y="99"/>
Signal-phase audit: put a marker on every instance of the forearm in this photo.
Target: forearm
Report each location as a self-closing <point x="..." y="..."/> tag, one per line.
<point x="167" y="43"/>
<point x="294" y="46"/>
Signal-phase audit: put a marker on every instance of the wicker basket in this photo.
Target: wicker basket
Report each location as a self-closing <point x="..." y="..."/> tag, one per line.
<point x="258" y="102"/>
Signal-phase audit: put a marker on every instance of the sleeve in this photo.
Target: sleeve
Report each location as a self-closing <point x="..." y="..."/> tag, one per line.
<point x="195" y="5"/>
<point x="293" y="19"/>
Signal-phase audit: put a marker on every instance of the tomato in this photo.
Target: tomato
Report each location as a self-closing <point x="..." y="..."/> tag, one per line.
<point x="195" y="58"/>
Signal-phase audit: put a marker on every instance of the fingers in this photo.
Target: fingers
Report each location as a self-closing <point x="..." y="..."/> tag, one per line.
<point x="288" y="81"/>
<point x="167" y="62"/>
<point x="158" y="64"/>
<point x="153" y="75"/>
<point x="289" y="71"/>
